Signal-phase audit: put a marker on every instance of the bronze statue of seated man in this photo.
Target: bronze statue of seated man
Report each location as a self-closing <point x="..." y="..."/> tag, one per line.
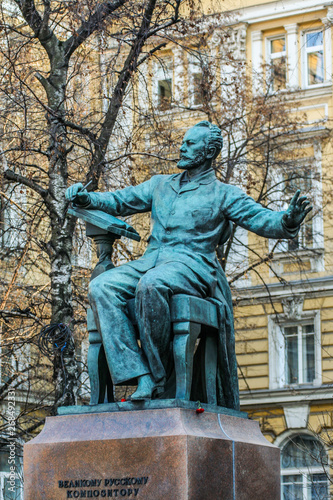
<point x="191" y="213"/>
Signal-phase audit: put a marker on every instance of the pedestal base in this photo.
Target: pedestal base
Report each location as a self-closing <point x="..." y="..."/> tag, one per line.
<point x="153" y="454"/>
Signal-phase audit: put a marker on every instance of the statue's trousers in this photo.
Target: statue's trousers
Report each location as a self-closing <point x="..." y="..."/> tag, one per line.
<point x="152" y="289"/>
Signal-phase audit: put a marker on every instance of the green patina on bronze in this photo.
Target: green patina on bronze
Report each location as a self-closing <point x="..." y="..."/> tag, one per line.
<point x="191" y="215"/>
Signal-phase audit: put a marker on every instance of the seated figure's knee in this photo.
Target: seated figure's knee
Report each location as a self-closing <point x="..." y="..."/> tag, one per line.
<point x="150" y="283"/>
<point x="94" y="290"/>
<point x="107" y="286"/>
<point x="146" y="283"/>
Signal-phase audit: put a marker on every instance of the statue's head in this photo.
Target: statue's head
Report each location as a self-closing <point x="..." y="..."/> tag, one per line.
<point x="201" y="144"/>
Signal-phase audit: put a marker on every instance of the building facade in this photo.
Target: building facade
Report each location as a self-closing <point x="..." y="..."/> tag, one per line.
<point x="284" y="322"/>
<point x="284" y="290"/>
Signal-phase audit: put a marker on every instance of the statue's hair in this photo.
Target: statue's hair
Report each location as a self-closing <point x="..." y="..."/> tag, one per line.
<point x="215" y="137"/>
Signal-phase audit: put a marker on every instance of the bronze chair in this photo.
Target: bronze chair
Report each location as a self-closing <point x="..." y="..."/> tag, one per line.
<point x="190" y="317"/>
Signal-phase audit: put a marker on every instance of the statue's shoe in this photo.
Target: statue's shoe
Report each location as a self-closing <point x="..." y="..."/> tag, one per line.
<point x="147" y="389"/>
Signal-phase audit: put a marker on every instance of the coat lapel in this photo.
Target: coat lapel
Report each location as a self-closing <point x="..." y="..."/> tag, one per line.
<point x="205" y="178"/>
<point x="190" y="186"/>
<point x="174" y="182"/>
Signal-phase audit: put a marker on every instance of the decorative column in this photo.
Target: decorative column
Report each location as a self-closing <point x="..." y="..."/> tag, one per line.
<point x="327" y="22"/>
<point x="213" y="61"/>
<point x="257" y="61"/>
<point x="292" y="56"/>
<point x="144" y="86"/>
<point x="178" y="74"/>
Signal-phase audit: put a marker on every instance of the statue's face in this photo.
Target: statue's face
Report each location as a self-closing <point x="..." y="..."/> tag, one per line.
<point x="193" y="148"/>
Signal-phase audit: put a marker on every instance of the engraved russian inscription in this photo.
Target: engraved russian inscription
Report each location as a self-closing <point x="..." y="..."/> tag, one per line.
<point x="103" y="488"/>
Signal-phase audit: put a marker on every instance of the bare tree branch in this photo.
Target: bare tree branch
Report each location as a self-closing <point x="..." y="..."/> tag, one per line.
<point x="151" y="52"/>
<point x="13" y="177"/>
<point x="30" y="14"/>
<point x="90" y="25"/>
<point x="129" y="68"/>
<point x="39" y="25"/>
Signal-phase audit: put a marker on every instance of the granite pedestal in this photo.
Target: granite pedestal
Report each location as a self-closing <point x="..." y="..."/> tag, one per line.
<point x="154" y="454"/>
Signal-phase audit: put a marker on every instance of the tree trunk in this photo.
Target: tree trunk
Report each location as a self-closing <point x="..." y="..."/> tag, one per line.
<point x="62" y="228"/>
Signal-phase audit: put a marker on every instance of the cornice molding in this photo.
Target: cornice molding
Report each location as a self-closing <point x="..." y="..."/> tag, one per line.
<point x="275" y="10"/>
<point x="315" y="287"/>
<point x="269" y="397"/>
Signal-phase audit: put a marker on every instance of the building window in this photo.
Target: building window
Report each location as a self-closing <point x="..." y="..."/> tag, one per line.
<point x="299" y="346"/>
<point x="198" y="87"/>
<point x="14" y="364"/>
<point x="7" y="365"/>
<point x="13" y="224"/>
<point x="81" y="353"/>
<point x="199" y="78"/>
<point x="82" y="247"/>
<point x="164" y="93"/>
<point x="163" y="83"/>
<point x="314" y="57"/>
<point x="301" y="178"/>
<point x="277" y="63"/>
<point x="303" y="474"/>
<point x="301" y="172"/>
<point x="8" y="490"/>
<point x="294" y="350"/>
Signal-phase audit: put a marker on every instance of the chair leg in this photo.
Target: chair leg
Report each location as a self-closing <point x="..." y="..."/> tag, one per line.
<point x="211" y="367"/>
<point x="185" y="336"/>
<point x="109" y="395"/>
<point x="93" y="369"/>
<point x="98" y="369"/>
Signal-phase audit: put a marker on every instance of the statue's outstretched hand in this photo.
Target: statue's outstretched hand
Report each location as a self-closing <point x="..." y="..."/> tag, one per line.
<point x="77" y="194"/>
<point x="297" y="210"/>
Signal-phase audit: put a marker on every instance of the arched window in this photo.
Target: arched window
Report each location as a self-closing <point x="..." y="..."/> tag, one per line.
<point x="303" y="466"/>
<point x="10" y="473"/>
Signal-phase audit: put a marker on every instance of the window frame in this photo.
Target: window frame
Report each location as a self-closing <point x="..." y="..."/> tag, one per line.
<point x="305" y="165"/>
<point x="164" y="102"/>
<point x="302" y="472"/>
<point x="10" y="364"/>
<point x="299" y="336"/>
<point x="304" y="54"/>
<point x="277" y="354"/>
<point x="3" y="477"/>
<point x="195" y="68"/>
<point x="13" y="224"/>
<point x="314" y="163"/>
<point x="163" y="69"/>
<point x="82" y="247"/>
<point x="270" y="58"/>
<point x="17" y="363"/>
<point x="18" y="474"/>
<point x="305" y="474"/>
<point x="194" y="85"/>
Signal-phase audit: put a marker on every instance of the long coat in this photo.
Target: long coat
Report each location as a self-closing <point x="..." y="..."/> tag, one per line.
<point x="188" y="222"/>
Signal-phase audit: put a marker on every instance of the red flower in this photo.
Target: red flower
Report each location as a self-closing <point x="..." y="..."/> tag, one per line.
<point x="199" y="409"/>
<point x="123" y="400"/>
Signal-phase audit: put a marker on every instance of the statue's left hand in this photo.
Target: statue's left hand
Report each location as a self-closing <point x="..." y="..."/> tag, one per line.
<point x="297" y="210"/>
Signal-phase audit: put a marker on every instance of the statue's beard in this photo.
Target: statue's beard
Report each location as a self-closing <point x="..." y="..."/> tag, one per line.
<point x="188" y="163"/>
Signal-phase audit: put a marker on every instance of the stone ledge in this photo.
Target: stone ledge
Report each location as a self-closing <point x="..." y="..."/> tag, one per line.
<point x="155" y="404"/>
